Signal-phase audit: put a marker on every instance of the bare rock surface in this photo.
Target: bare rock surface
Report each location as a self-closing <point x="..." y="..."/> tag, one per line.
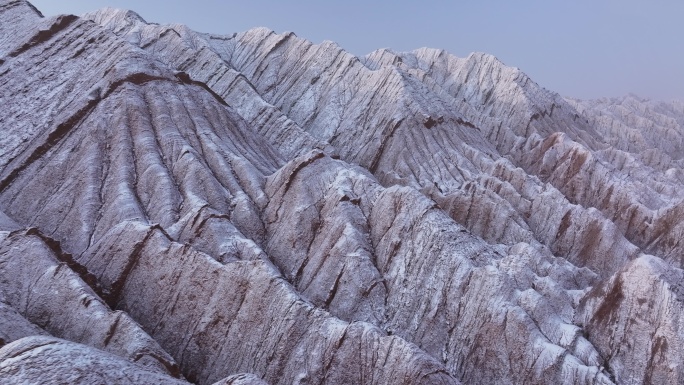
<point x="248" y="319"/>
<point x="42" y="294"/>
<point x="241" y="379"/>
<point x="639" y="307"/>
<point x="49" y="360"/>
<point x="256" y="208"/>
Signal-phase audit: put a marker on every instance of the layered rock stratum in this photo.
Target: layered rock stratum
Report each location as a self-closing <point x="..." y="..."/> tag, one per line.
<point x="181" y="207"/>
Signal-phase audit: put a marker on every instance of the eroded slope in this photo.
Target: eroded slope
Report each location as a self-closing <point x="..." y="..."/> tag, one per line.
<point x="259" y="204"/>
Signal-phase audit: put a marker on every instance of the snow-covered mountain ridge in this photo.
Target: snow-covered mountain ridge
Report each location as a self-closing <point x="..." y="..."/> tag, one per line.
<point x="184" y="207"/>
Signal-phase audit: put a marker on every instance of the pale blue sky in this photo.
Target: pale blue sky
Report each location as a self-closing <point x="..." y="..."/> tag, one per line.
<point x="579" y="48"/>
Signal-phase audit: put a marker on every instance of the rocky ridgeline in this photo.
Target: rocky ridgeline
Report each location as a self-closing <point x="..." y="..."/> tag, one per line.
<point x="183" y="207"/>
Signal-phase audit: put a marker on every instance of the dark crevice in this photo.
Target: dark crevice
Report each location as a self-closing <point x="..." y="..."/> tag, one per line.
<point x="466" y="123"/>
<point x="112" y="330"/>
<point x="186" y="79"/>
<point x="44" y="35"/>
<point x="385" y="138"/>
<point x="333" y="291"/>
<point x="112" y="294"/>
<point x="309" y="160"/>
<point x="431" y="122"/>
<point x="68" y="259"/>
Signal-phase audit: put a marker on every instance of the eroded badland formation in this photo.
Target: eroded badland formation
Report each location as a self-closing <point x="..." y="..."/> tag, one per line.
<point x="184" y="207"/>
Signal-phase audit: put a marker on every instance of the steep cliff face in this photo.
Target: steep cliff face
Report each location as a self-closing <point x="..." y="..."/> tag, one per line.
<point x="256" y="208"/>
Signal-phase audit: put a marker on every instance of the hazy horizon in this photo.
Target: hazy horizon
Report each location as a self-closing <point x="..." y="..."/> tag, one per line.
<point x="579" y="49"/>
